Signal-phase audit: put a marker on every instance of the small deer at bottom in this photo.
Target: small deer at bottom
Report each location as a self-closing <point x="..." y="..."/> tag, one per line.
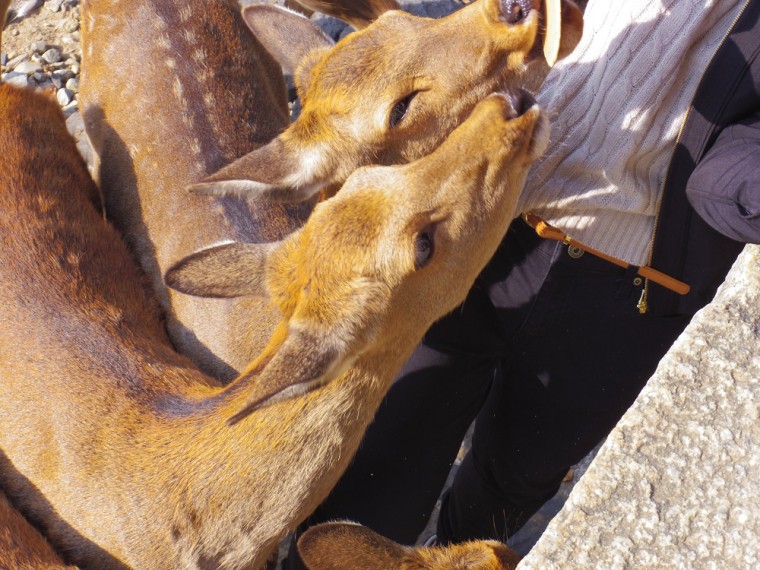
<point x="347" y="546"/>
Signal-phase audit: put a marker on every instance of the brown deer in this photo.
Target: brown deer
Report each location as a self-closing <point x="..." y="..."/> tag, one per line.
<point x="212" y="93"/>
<point x="21" y="546"/>
<point x="121" y="451"/>
<point x="348" y="546"/>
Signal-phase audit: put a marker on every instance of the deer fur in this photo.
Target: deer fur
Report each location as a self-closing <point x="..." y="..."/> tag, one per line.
<point x="358" y="13"/>
<point x="216" y="94"/>
<point x="121" y="451"/>
<point x="21" y="546"/>
<point x="348" y="546"/>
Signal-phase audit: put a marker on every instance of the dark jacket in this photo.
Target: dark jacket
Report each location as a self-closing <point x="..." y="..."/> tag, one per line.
<point x="711" y="195"/>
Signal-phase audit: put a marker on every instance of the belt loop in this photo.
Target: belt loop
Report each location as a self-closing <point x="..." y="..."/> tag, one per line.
<point x="628" y="283"/>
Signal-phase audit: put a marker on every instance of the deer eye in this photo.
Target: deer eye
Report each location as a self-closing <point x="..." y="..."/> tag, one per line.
<point x="424" y="247"/>
<point x="399" y="110"/>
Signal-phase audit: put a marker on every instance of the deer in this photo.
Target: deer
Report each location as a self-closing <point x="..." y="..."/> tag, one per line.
<point x="123" y="452"/>
<point x="344" y="545"/>
<point x="216" y="121"/>
<point x="21" y="546"/>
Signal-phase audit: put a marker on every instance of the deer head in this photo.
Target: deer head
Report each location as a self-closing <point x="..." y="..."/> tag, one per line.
<point x="388" y="94"/>
<point x="400" y="230"/>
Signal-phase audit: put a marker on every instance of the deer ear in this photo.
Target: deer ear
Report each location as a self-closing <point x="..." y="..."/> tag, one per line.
<point x="229" y="270"/>
<point x="286" y="35"/>
<point x="572" y="28"/>
<point x="316" y="349"/>
<point x="306" y="360"/>
<point x="358" y="13"/>
<point x="346" y="546"/>
<point x="281" y="171"/>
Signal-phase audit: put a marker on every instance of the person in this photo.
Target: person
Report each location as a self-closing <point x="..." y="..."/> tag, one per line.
<point x="655" y="159"/>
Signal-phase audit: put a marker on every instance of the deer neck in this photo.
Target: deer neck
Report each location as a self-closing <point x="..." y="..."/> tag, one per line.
<point x="272" y="469"/>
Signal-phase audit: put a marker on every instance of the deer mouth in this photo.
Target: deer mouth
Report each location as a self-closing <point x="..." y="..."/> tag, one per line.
<point x="519" y="102"/>
<point x="515" y="11"/>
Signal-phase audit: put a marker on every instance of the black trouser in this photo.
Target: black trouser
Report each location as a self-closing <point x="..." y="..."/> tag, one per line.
<point x="547" y="352"/>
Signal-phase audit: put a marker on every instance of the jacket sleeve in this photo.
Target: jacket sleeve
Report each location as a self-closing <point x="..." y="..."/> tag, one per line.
<point x="724" y="188"/>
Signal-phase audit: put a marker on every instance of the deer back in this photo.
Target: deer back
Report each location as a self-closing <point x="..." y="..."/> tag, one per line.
<point x="203" y="92"/>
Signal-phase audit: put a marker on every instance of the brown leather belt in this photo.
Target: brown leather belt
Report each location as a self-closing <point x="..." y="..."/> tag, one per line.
<point x="550" y="232"/>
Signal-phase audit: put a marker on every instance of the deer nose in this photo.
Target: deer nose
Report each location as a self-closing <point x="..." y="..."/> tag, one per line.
<point x="515" y="11"/>
<point x="518" y="101"/>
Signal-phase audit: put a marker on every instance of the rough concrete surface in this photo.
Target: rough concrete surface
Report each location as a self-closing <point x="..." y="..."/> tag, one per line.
<point x="677" y="483"/>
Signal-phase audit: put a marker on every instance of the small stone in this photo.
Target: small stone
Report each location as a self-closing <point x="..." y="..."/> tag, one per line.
<point x="70" y="26"/>
<point x="68" y="39"/>
<point x="14" y="32"/>
<point x="27" y="67"/>
<point x="64" y="96"/>
<point x="45" y="84"/>
<point x="70" y="108"/>
<point x="73" y="85"/>
<point x="16" y="79"/>
<point x="75" y="125"/>
<point x="52" y="55"/>
<point x="63" y="74"/>
<point x="57" y="82"/>
<point x="38" y="47"/>
<point x="54" y="5"/>
<point x="15" y="60"/>
<point x="75" y="69"/>
<point x="39" y="77"/>
<point x="3" y="59"/>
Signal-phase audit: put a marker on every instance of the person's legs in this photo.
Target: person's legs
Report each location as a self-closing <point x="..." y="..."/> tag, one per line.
<point x="414" y="442"/>
<point x="574" y="367"/>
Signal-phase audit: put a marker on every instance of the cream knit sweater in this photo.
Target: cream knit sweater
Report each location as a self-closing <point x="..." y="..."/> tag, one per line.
<point x="617" y="104"/>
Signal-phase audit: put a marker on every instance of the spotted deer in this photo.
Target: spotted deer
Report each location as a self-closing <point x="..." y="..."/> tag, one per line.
<point x="120" y="450"/>
<point x="210" y="93"/>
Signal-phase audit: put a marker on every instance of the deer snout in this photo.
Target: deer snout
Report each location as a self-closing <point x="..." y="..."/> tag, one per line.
<point x="518" y="102"/>
<point x="515" y="11"/>
<point x="522" y="113"/>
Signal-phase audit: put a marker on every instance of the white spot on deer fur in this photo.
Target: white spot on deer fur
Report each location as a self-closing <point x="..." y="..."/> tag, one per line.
<point x="163" y="42"/>
<point x="185" y="12"/>
<point x="187" y="120"/>
<point x="179" y="92"/>
<point x="190" y="37"/>
<point x="199" y="56"/>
